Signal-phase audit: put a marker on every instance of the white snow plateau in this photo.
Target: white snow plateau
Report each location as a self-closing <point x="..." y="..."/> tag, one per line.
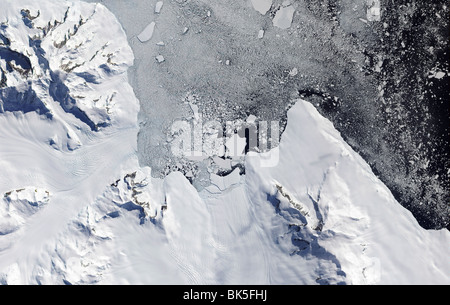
<point x="76" y="207"/>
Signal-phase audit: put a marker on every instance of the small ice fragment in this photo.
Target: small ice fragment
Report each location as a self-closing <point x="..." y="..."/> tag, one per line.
<point x="293" y="72"/>
<point x="251" y="118"/>
<point x="261" y="34"/>
<point x="158" y="7"/>
<point x="160" y="58"/>
<point x="227" y="62"/>
<point x="440" y="75"/>
<point x="147" y="33"/>
<point x="262" y="6"/>
<point x="373" y="10"/>
<point x="185" y="30"/>
<point x="209" y="13"/>
<point x="161" y="43"/>
<point x="284" y="16"/>
<point x="379" y="65"/>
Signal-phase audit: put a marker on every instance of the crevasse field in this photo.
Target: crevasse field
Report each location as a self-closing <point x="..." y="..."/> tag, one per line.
<point x="86" y="198"/>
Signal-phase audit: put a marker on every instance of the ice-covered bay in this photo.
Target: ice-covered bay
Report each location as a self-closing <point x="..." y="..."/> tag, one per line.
<point x="320" y="216"/>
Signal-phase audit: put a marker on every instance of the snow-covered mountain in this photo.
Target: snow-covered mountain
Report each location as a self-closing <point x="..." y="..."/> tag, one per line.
<point x="77" y="208"/>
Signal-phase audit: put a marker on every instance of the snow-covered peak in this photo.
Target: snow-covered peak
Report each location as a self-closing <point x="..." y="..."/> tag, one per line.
<point x="66" y="56"/>
<point x="17" y="205"/>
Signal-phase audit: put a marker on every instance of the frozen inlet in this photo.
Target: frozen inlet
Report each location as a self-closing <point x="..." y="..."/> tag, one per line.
<point x="147" y="33"/>
<point x="373" y="10"/>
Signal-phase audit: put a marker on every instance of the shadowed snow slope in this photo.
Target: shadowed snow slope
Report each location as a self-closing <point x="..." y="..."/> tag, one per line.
<point x="318" y="215"/>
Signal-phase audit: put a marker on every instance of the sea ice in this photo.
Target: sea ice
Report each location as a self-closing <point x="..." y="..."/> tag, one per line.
<point x="158" y="7"/>
<point x="283" y="18"/>
<point x="373" y="10"/>
<point x="262" y="6"/>
<point x="261" y="34"/>
<point x="147" y="33"/>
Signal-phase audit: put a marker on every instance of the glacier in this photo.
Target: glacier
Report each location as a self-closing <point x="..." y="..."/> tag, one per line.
<point x="77" y="208"/>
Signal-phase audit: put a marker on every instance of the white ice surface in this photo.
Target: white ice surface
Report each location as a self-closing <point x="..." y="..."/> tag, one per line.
<point x="319" y="215"/>
<point x="373" y="10"/>
<point x="147" y="33"/>
<point x="158" y="7"/>
<point x="284" y="16"/>
<point x="261" y="34"/>
<point x="73" y="177"/>
<point x="262" y="6"/>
